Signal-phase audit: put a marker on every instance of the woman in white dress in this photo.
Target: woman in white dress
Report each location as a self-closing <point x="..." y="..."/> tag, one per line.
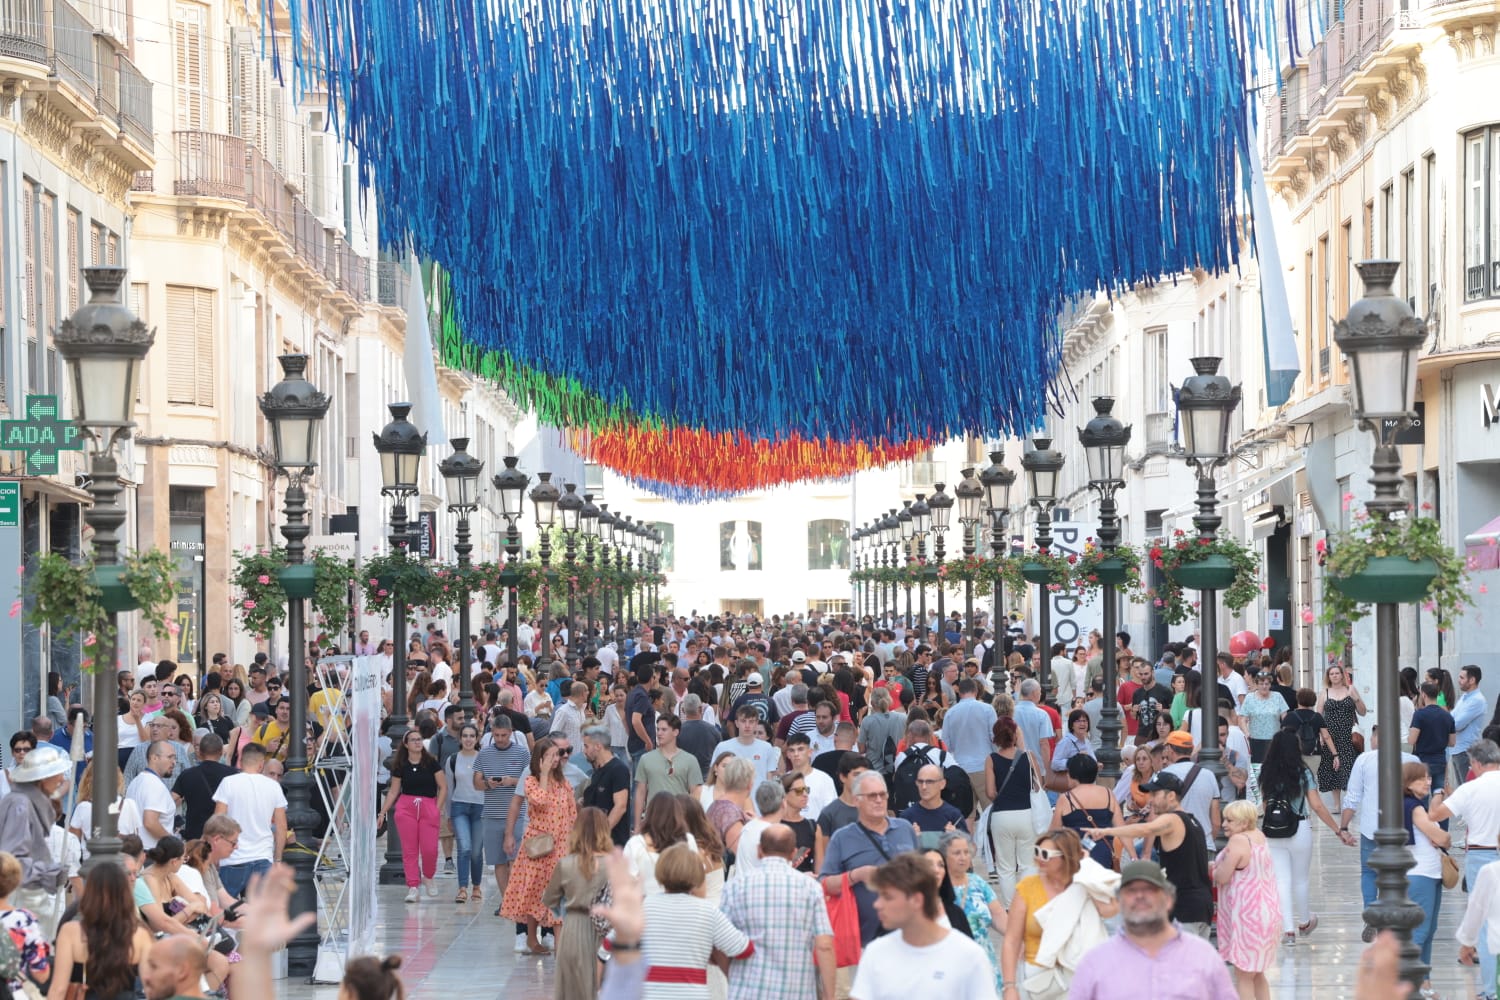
<point x="663" y="825"/>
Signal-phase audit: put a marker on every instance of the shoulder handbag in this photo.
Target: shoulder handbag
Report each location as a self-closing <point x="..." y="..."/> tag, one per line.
<point x="538" y="845"/>
<point x="1452" y="873"/>
<point x="1041" y="805"/>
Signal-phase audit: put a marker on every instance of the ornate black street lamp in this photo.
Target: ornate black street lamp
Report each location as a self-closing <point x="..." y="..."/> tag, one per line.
<point x="970" y="504"/>
<point x="996" y="481"/>
<point x="461" y="472"/>
<point x="570" y="512"/>
<point x="511" y="482"/>
<point x="103" y="344"/>
<point x="294" y="408"/>
<point x="588" y="520"/>
<point x="890" y="530"/>
<point x="1104" y="439"/>
<point x="544" y="497"/>
<point x="1043" y="463"/>
<point x="400" y="447"/>
<point x="608" y="523"/>
<point x="942" y="510"/>
<point x="1205" y="403"/>
<point x="1381" y="337"/>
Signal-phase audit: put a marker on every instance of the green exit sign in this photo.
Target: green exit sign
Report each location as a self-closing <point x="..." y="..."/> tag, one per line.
<point x="10" y="505"/>
<point x="41" y="435"/>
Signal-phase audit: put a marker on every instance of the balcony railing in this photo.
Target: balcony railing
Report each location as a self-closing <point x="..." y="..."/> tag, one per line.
<point x="392" y="281"/>
<point x="1158" y="433"/>
<point x="73" y="47"/>
<point x="23" y="30"/>
<point x="135" y="103"/>
<point x="212" y="165"/>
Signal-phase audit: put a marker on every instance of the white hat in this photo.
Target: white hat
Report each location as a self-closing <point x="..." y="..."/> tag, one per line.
<point x="754" y="680"/>
<point x="798" y="656"/>
<point x="46" y="761"/>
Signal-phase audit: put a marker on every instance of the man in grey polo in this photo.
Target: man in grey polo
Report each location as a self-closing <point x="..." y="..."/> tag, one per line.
<point x="498" y="772"/>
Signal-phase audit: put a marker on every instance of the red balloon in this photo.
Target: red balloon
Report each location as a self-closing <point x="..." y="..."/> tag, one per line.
<point x="1268" y="643"/>
<point x="1244" y="643"/>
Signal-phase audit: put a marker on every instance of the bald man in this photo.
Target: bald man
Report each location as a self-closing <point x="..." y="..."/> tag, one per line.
<point x="783" y="912"/>
<point x="173" y="969"/>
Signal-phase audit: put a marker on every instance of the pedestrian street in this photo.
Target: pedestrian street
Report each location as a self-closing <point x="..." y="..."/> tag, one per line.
<point x="450" y="950"/>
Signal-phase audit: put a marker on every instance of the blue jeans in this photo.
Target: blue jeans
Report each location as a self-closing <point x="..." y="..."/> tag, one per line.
<point x="1427" y="893"/>
<point x="1366" y="873"/>
<point x="236" y="877"/>
<point x="467" y="820"/>
<point x="1473" y="861"/>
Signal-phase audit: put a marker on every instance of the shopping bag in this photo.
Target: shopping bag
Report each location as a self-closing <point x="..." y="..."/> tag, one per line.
<point x="843" y="914"/>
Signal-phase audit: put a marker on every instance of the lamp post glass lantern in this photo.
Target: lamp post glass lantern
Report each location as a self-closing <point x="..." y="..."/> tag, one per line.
<point x="942" y="508"/>
<point x="103" y="344"/>
<point x="570" y="512"/>
<point x="461" y="472"/>
<point x="1205" y="404"/>
<point x="1381" y="337"/>
<point x="511" y="482"/>
<point x="1104" y="439"/>
<point x="970" y="503"/>
<point x="544" y="498"/>
<point x="400" y="446"/>
<point x="588" y="520"/>
<point x="1043" y="465"/>
<point x="294" y="407"/>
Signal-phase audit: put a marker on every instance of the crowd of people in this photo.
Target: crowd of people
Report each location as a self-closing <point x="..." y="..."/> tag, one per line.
<point x="804" y="807"/>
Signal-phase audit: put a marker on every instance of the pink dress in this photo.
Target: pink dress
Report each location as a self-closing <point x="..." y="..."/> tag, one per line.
<point x="1249" y="913"/>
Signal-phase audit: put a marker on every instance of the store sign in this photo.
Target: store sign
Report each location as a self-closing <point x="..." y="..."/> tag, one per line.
<point x="1489" y="404"/>
<point x="41" y="435"/>
<point x="427" y="534"/>
<point x="1412" y="431"/>
<point x="1072" y="616"/>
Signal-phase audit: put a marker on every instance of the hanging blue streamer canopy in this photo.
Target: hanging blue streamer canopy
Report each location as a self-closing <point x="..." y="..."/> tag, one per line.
<point x="831" y="218"/>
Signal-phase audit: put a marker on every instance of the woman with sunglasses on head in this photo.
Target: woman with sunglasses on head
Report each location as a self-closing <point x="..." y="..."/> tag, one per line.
<point x="794" y="785"/>
<point x="1058" y="857"/>
<point x="550" y="812"/>
<point x="418" y="790"/>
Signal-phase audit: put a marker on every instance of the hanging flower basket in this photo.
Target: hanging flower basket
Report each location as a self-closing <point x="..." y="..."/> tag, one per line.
<point x="1221" y="563"/>
<point x="1395" y="560"/>
<point x="1121" y="567"/>
<point x="81" y="597"/>
<point x="262" y="580"/>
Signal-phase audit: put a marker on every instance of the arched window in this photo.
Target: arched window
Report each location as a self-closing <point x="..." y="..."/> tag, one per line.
<point x="739" y="545"/>
<point x="828" y="544"/>
<point x="668" y="545"/>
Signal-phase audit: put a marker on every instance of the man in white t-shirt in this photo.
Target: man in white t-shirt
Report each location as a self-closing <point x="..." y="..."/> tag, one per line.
<point x="149" y="791"/>
<point x="761" y="755"/>
<point x="608" y="659"/>
<point x="820" y="789"/>
<point x="922" y="957"/>
<point x="491" y="649"/>
<point x="257" y="804"/>
<point x="1230" y="678"/>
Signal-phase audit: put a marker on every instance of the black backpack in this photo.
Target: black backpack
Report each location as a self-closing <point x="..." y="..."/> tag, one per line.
<point x="1280" y="819"/>
<point x="958" y="791"/>
<point x="1307" y="733"/>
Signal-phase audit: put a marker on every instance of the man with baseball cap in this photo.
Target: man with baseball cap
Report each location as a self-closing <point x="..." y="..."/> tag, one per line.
<point x="1150" y="952"/>
<point x="1200" y="792"/>
<point x="1184" y="851"/>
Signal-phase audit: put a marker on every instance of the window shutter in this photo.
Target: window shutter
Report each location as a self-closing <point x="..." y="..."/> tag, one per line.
<point x="138" y="306"/>
<point x="28" y="226"/>
<point x="188" y="58"/>
<point x="75" y="222"/>
<point x="47" y="305"/>
<point x="190" y="343"/>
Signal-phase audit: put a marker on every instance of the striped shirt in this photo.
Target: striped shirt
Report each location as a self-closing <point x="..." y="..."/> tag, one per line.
<point x="686" y="931"/>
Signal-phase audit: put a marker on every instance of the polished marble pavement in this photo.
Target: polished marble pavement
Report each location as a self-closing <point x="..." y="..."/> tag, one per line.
<point x="452" y="951"/>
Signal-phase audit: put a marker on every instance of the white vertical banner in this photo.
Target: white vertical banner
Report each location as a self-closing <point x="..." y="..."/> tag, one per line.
<point x="1073" y="616"/>
<point x="364" y="860"/>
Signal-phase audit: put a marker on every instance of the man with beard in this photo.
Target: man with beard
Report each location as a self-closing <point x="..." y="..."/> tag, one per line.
<point x="1150" y="950"/>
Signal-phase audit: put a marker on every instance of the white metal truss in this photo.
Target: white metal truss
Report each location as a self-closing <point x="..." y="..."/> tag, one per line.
<point x="332" y="768"/>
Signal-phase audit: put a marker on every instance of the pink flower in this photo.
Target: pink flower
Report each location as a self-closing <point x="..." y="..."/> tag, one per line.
<point x="1429" y="606"/>
<point x="263" y="579"/>
<point x="1484" y="589"/>
<point x="15" y="607"/>
<point x="382" y="593"/>
<point x="249" y="605"/>
<point x="1159" y="602"/>
<point x="1322" y="546"/>
<point x="173" y="628"/>
<point x="1307" y="616"/>
<point x="1427" y="506"/>
<point x="21" y="570"/>
<point x="90" y="640"/>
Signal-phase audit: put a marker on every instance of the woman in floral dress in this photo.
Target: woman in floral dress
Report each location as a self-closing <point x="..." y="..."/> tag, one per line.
<point x="550" y="812"/>
<point x="974" y="895"/>
<point x="1249" y="906"/>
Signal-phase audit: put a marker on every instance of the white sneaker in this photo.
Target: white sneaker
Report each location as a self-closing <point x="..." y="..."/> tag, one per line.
<point x="429" y="887"/>
<point x="521" y="945"/>
<point x="411" y="894"/>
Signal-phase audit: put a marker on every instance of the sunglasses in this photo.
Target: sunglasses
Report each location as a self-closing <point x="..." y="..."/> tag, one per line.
<point x="1046" y="854"/>
<point x="798" y="790"/>
<point x="564" y="751"/>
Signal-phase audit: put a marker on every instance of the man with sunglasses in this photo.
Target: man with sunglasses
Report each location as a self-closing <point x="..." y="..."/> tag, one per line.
<point x="668" y="768"/>
<point x="858" y="849"/>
